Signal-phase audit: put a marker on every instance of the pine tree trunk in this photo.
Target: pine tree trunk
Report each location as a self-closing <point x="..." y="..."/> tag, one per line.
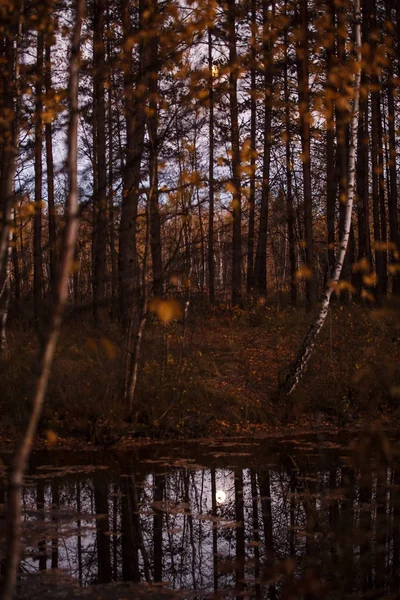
<point x="51" y="215"/>
<point x="330" y="143"/>
<point x="37" y="219"/>
<point x="110" y="201"/>
<point x="260" y="267"/>
<point x="152" y="120"/>
<point x="135" y="119"/>
<point x="378" y="191"/>
<point x="302" y="53"/>
<point x="210" y="256"/>
<point x="289" y="187"/>
<point x="253" y="133"/>
<point x="362" y="198"/>
<point x="100" y="186"/>
<point x="236" y="175"/>
<point x="392" y="184"/>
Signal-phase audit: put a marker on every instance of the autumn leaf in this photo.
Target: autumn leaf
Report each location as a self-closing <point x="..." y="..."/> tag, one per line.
<point x="303" y="272"/>
<point x="166" y="310"/>
<point x="51" y="437"/>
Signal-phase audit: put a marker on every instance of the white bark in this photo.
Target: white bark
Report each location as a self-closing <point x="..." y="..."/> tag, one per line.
<point x="299" y="365"/>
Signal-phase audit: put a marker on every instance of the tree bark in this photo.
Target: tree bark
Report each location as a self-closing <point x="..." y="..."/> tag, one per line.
<point x="289" y="187"/>
<point x="210" y="256"/>
<point x="50" y="171"/>
<point x="37" y="219"/>
<point x="362" y="198"/>
<point x="253" y="149"/>
<point x="152" y="124"/>
<point x="302" y="54"/>
<point x="100" y="171"/>
<point x="300" y="363"/>
<point x="260" y="267"/>
<point x="392" y="184"/>
<point x="378" y="192"/>
<point x="236" y="174"/>
<point x="135" y="119"/>
<point x="330" y="142"/>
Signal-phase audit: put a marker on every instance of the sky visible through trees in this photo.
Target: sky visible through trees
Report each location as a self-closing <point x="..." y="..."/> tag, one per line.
<point x="220" y="132"/>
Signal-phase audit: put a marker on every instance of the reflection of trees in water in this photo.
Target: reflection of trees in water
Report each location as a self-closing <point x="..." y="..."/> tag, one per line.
<point x="280" y="531"/>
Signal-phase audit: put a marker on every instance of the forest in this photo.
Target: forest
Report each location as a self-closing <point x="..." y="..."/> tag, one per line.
<point x="199" y="238"/>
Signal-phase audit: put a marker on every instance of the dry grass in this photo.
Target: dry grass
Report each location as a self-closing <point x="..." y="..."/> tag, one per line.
<point x="223" y="368"/>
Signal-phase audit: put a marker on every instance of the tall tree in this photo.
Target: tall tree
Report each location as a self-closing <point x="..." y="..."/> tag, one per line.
<point x="135" y="120"/>
<point x="253" y="149"/>
<point x="37" y="220"/>
<point x="99" y="152"/>
<point x="151" y="27"/>
<point x="51" y="214"/>
<point x="392" y="184"/>
<point x="289" y="186"/>
<point x="235" y="149"/>
<point x="302" y="53"/>
<point x="378" y="184"/>
<point x="330" y="137"/>
<point x="210" y="256"/>
<point x="260" y="267"/>
<point x="362" y="179"/>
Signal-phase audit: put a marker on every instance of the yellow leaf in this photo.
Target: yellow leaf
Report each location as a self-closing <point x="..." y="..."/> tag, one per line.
<point x="230" y="187"/>
<point x="367" y="296"/>
<point x="370" y="280"/>
<point x="51" y="437"/>
<point x="362" y="265"/>
<point x="166" y="310"/>
<point x="304" y="272"/>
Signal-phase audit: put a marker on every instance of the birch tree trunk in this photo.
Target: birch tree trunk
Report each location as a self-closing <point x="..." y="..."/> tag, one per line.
<point x="66" y="258"/>
<point x="300" y="363"/>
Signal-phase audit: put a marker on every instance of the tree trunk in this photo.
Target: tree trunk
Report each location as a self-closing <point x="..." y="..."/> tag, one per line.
<point x="392" y="186"/>
<point x="210" y="257"/>
<point x="236" y="191"/>
<point x="378" y="191"/>
<point x="51" y="215"/>
<point x="260" y="267"/>
<point x="37" y="219"/>
<point x="253" y="149"/>
<point x="302" y="54"/>
<point x="135" y="128"/>
<point x="289" y="187"/>
<point x="342" y="134"/>
<point x="100" y="172"/>
<point x="330" y="143"/>
<point x="300" y="363"/>
<point x="364" y="245"/>
<point x="152" y="124"/>
<point x="110" y="202"/>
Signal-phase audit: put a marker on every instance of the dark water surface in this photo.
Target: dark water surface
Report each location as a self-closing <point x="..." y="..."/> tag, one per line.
<point x="307" y="517"/>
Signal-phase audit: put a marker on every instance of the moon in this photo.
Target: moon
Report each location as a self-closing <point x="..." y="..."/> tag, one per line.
<point x="220" y="497"/>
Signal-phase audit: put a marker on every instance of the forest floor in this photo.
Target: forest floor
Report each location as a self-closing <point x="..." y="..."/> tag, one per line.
<point x="217" y="375"/>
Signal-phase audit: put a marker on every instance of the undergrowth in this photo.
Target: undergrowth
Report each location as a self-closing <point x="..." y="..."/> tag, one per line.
<point x="219" y="370"/>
